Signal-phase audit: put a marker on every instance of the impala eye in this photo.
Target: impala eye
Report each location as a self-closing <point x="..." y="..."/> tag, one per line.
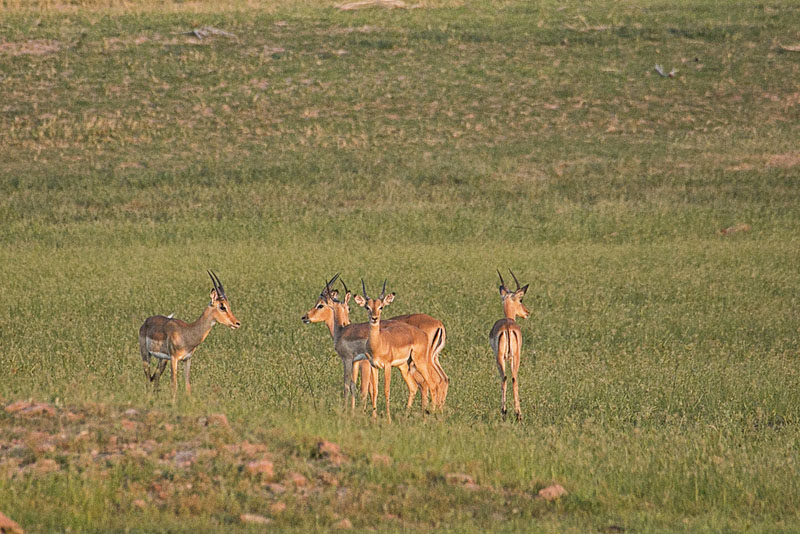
<point x="320" y="306"/>
<point x="222" y="307"/>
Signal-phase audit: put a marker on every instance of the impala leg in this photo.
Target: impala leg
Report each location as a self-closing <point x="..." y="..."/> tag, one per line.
<point x="412" y="385"/>
<point x="374" y="374"/>
<point x="501" y="366"/>
<point x="426" y="373"/>
<point x="349" y="386"/>
<point x="173" y="377"/>
<point x="188" y="365"/>
<point x="162" y="365"/>
<point x="515" y="385"/>
<point x="387" y="381"/>
<point x="366" y="381"/>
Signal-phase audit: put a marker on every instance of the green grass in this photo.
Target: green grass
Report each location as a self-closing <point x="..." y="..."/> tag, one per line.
<point x="428" y="146"/>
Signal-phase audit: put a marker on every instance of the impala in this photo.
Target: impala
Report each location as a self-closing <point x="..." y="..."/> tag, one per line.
<point x="506" y="340"/>
<point x="395" y="345"/>
<point x="173" y="340"/>
<point x="350" y="340"/>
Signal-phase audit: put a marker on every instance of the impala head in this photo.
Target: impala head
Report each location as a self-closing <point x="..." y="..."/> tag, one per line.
<point x="512" y="300"/>
<point x="328" y="303"/>
<point x="221" y="307"/>
<point x="374" y="306"/>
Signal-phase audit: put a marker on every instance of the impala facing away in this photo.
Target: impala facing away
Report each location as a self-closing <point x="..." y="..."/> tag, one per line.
<point x="172" y="340"/>
<point x="350" y="340"/>
<point x="506" y="339"/>
<point x="395" y="345"/>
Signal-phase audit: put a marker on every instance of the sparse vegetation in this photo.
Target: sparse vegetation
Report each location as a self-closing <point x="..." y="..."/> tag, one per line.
<point x="656" y="219"/>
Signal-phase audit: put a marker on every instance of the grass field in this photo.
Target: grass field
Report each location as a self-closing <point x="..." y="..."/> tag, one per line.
<point x="430" y="146"/>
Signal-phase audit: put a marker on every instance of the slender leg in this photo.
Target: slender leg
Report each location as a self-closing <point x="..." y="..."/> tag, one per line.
<point x="188" y="365"/>
<point x="366" y="380"/>
<point x="347" y="366"/>
<point x="515" y="382"/>
<point x="387" y="380"/>
<point x="174" y="376"/>
<point x="422" y="368"/>
<point x="162" y="365"/>
<point x="374" y="373"/>
<point x="501" y="366"/>
<point x="412" y="385"/>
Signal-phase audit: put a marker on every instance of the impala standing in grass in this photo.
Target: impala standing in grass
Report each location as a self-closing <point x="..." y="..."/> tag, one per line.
<point x="506" y="340"/>
<point x="394" y="345"/>
<point x="350" y="340"/>
<point x="173" y="340"/>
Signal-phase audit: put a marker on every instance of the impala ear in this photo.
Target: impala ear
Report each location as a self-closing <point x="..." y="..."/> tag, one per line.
<point x="388" y="299"/>
<point x="361" y="301"/>
<point x="519" y="293"/>
<point x="334" y="294"/>
<point x="213" y="295"/>
<point x="347" y="297"/>
<point x="503" y="291"/>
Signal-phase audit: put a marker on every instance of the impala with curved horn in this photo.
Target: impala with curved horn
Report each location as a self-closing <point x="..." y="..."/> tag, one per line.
<point x="506" y="340"/>
<point x="350" y="341"/>
<point x="173" y="340"/>
<point x="395" y="345"/>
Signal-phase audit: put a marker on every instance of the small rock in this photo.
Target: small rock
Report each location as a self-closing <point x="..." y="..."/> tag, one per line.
<point x="29" y="408"/>
<point x="297" y="479"/>
<point x="131" y="412"/>
<point x="264" y="468"/>
<point x="255" y="518"/>
<point x="458" y="478"/>
<point x="218" y="419"/>
<point x="45" y="465"/>
<point x="184" y="458"/>
<point x="741" y="227"/>
<point x="552" y="492"/>
<point x="381" y="459"/>
<point x="8" y="526"/>
<point x="331" y="451"/>
<point x="139" y="503"/>
<point x="276" y="488"/>
<point x="128" y="425"/>
<point x="342" y="524"/>
<point x="277" y="507"/>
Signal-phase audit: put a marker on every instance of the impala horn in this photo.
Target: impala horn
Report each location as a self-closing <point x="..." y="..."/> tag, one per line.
<point x="217" y="285"/>
<point x="383" y="293"/>
<point x="515" y="279"/>
<point x="364" y="288"/>
<point x="502" y="282"/>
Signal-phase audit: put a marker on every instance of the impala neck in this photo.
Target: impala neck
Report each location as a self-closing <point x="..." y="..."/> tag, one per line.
<point x="375" y="335"/>
<point x="336" y="323"/>
<point x="509" y="309"/>
<point x="197" y="331"/>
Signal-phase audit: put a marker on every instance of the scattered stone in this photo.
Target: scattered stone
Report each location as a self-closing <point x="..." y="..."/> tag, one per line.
<point x="741" y="227"/>
<point x="381" y="459"/>
<point x="363" y="4"/>
<point x="218" y="419"/>
<point x="139" y="503"/>
<point x="264" y="468"/>
<point x="552" y="492"/>
<point x="30" y="408"/>
<point x="184" y="458"/>
<point x="277" y="507"/>
<point x="331" y="452"/>
<point x="342" y="524"/>
<point x="255" y="518"/>
<point x="8" y="526"/>
<point x="128" y="425"/>
<point x="329" y="478"/>
<point x="131" y="412"/>
<point x="45" y="465"/>
<point x="297" y="479"/>
<point x="276" y="488"/>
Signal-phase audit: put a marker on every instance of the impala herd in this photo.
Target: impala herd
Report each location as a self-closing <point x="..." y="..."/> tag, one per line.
<point x="412" y="343"/>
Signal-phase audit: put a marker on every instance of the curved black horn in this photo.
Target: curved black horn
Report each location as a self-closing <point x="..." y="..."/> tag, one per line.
<point x="346" y="291"/>
<point x="502" y="283"/>
<point x="327" y="292"/>
<point x="515" y="279"/>
<point x="214" y="281"/>
<point x="383" y="292"/>
<point x="364" y="288"/>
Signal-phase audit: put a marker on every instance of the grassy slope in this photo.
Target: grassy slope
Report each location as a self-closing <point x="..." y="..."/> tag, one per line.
<point x="428" y="146"/>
